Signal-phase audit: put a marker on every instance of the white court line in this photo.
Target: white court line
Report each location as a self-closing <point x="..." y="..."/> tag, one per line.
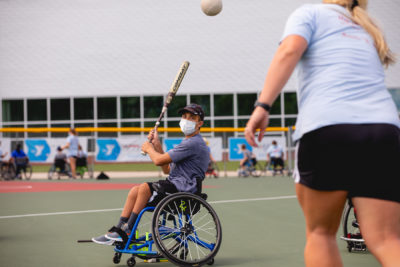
<point x="107" y="210"/>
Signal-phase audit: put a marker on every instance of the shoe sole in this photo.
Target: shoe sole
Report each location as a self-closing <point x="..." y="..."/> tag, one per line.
<point x="107" y="243"/>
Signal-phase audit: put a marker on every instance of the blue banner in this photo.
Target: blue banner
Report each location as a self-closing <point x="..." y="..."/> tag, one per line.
<point x="235" y="152"/>
<point x="109" y="149"/>
<point x="38" y="149"/>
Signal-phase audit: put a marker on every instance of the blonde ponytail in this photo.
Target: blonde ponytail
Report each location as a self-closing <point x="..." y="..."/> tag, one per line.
<point x="361" y="17"/>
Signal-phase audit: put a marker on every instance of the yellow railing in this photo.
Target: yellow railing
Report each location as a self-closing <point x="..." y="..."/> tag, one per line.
<point x="130" y="129"/>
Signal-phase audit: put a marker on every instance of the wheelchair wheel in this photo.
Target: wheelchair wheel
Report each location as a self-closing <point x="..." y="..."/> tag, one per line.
<point x="351" y="230"/>
<point x="50" y="173"/>
<point x="186" y="230"/>
<point x="256" y="170"/>
<point x="27" y="172"/>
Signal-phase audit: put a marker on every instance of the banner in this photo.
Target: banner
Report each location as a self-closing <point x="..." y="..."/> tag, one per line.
<point x="235" y="152"/>
<point x="44" y="150"/>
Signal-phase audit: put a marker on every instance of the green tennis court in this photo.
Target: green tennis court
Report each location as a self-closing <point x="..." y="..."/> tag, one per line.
<point x="262" y="223"/>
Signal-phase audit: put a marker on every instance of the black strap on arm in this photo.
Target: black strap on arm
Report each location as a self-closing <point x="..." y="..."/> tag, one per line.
<point x="121" y="233"/>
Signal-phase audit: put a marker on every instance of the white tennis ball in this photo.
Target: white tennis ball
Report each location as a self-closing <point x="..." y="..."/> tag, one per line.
<point x="211" y="7"/>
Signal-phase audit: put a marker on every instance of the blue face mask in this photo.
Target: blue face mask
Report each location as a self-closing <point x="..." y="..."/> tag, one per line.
<point x="187" y="127"/>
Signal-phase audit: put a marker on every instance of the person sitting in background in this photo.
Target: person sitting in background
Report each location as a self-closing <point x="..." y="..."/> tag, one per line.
<point x="60" y="159"/>
<point x="247" y="157"/>
<point x="275" y="157"/>
<point x="20" y="159"/>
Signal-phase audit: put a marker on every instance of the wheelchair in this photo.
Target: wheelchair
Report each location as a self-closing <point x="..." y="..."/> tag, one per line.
<point x="9" y="169"/>
<point x="212" y="170"/>
<point x="183" y="229"/>
<point x="252" y="167"/>
<point x="82" y="167"/>
<point x="351" y="229"/>
<point x="60" y="167"/>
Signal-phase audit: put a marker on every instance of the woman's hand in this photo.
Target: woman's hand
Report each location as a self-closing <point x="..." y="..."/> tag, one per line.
<point x="259" y="120"/>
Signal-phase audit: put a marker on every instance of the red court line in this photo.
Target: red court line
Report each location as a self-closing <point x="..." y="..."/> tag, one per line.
<point x="22" y="186"/>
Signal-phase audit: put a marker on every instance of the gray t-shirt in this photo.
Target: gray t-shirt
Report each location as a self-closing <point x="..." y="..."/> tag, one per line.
<point x="189" y="162"/>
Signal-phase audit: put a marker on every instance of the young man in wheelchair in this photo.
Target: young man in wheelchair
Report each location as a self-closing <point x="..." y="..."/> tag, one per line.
<point x="186" y="165"/>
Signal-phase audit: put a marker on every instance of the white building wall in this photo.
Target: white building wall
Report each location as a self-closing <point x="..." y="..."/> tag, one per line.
<point x="55" y="48"/>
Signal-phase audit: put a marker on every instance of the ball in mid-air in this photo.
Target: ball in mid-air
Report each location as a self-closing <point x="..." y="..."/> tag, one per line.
<point x="211" y="7"/>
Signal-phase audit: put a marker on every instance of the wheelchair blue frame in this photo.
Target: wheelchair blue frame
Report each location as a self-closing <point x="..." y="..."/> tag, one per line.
<point x="137" y="247"/>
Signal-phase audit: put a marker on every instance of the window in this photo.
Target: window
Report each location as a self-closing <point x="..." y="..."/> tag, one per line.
<point x="152" y="123"/>
<point x="242" y="122"/>
<point x="290" y="122"/>
<point x="223" y="105"/>
<point x="13" y="110"/>
<point x="291" y="103"/>
<point x="275" y="123"/>
<point x="223" y="123"/>
<point x="107" y="134"/>
<point x="178" y="103"/>
<point x="203" y="101"/>
<point x="37" y="110"/>
<point x="83" y="109"/>
<point x="43" y="134"/>
<point x="276" y="107"/>
<point x="60" y="109"/>
<point x="130" y="124"/>
<point x="130" y="107"/>
<point x="60" y="134"/>
<point x="13" y="134"/>
<point x="84" y="125"/>
<point x="107" y="108"/>
<point x="245" y="103"/>
<point x="153" y="106"/>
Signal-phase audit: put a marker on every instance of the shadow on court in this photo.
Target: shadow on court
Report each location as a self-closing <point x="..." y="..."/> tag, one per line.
<point x="262" y="225"/>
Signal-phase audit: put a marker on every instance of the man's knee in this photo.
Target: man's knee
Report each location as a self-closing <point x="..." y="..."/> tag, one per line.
<point x="144" y="188"/>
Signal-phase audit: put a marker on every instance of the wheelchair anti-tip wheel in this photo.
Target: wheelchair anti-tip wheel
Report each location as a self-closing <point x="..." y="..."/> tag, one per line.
<point x="186" y="230"/>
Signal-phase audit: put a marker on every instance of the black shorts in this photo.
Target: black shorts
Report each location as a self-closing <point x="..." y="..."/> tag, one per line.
<point x="362" y="159"/>
<point x="162" y="187"/>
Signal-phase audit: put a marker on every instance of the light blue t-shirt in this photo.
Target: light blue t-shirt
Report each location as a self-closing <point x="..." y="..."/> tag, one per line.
<point x="73" y="145"/>
<point x="341" y="78"/>
<point x="275" y="151"/>
<point x="189" y="162"/>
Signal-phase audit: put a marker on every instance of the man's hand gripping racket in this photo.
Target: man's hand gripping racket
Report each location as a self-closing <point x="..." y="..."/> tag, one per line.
<point x="171" y="94"/>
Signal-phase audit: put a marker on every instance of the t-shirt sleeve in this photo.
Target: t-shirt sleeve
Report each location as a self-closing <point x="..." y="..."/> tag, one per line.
<point x="301" y="22"/>
<point x="181" y="151"/>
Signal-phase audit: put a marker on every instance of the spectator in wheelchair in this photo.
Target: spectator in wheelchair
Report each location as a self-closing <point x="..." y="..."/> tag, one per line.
<point x="72" y="145"/>
<point x="60" y="160"/>
<point x="275" y="157"/>
<point x="186" y="165"/>
<point x="19" y="159"/>
<point x="81" y="157"/>
<point x="248" y="157"/>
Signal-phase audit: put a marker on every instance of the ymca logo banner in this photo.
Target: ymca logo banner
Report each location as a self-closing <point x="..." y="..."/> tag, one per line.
<point x="38" y="150"/>
<point x="108" y="149"/>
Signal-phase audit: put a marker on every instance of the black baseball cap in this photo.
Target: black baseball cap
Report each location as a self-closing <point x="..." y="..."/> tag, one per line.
<point x="194" y="109"/>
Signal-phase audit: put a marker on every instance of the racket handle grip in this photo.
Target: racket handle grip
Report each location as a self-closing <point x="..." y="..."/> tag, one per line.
<point x="143" y="153"/>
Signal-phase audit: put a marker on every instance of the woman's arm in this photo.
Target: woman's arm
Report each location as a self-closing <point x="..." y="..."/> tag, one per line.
<point x="285" y="60"/>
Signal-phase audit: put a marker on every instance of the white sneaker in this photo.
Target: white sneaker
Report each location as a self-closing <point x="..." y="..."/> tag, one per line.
<point x="103" y="240"/>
